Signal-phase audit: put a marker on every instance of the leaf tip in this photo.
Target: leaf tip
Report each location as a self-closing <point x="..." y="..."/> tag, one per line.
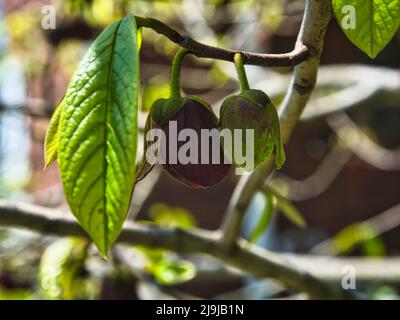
<point x="372" y="55"/>
<point x="303" y="224"/>
<point x="103" y="250"/>
<point x="48" y="162"/>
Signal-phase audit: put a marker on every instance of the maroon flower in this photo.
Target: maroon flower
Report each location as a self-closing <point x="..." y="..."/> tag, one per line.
<point x="190" y="159"/>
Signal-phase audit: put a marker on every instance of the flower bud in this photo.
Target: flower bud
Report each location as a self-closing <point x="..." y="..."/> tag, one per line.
<point x="252" y="109"/>
<point x="188" y="156"/>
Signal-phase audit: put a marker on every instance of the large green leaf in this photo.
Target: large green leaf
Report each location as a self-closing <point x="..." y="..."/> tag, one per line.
<point x="98" y="133"/>
<point x="52" y="136"/>
<point x="375" y="22"/>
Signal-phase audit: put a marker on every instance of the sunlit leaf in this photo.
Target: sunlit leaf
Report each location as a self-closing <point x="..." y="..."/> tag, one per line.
<point x="154" y="255"/>
<point x="98" y="133"/>
<point x="154" y="90"/>
<point x="382" y="292"/>
<point x="369" y="24"/>
<point x="373" y="247"/>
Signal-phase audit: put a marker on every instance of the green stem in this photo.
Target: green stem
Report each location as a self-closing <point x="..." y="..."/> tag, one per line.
<point x="175" y="88"/>
<point x="241" y="72"/>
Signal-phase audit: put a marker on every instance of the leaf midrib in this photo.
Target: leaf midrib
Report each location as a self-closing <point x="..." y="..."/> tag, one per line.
<point x="105" y="145"/>
<point x="371" y="21"/>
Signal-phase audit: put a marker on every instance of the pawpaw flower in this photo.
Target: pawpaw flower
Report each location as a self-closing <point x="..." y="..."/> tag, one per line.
<point x="197" y="160"/>
<point x="252" y="109"/>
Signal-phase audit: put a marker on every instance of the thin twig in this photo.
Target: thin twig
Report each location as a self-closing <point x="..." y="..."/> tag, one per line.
<point x="299" y="54"/>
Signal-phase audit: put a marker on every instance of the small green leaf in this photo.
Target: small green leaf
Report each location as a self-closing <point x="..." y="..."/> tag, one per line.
<point x="264" y="219"/>
<point x="172" y="272"/>
<point x="52" y="136"/>
<point x="359" y="233"/>
<point x="288" y="209"/>
<point x="98" y="133"/>
<point x="369" y="24"/>
<point x="373" y="247"/>
<point x="155" y="89"/>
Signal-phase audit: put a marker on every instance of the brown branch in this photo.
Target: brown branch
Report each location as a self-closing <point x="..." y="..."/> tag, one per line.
<point x="253" y="260"/>
<point x="299" y="54"/>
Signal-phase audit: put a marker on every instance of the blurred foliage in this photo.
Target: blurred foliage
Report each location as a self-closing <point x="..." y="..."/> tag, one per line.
<point x="358" y="234"/>
<point x="26" y="40"/>
<point x="265" y="218"/>
<point x="214" y="22"/>
<point x="274" y="200"/>
<point x="167" y="216"/>
<point x="156" y="88"/>
<point x="68" y="54"/>
<point x="62" y="273"/>
<point x="95" y="12"/>
<point x="217" y="75"/>
<point x="173" y="272"/>
<point x="382" y="292"/>
<point x="16" y="294"/>
<point x="286" y="207"/>
<point x="164" y="266"/>
<point x="19" y="254"/>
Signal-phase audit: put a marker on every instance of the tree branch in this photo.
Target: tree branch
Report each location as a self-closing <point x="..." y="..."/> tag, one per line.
<point x="317" y="15"/>
<point x="253" y="260"/>
<point x="297" y="55"/>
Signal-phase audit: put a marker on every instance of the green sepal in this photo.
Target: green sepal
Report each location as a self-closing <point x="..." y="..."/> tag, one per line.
<point x="98" y="133"/>
<point x="256" y="96"/>
<point x="260" y="115"/>
<point x="164" y="110"/>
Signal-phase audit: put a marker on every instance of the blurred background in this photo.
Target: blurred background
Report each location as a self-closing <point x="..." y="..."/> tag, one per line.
<point x="342" y="173"/>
